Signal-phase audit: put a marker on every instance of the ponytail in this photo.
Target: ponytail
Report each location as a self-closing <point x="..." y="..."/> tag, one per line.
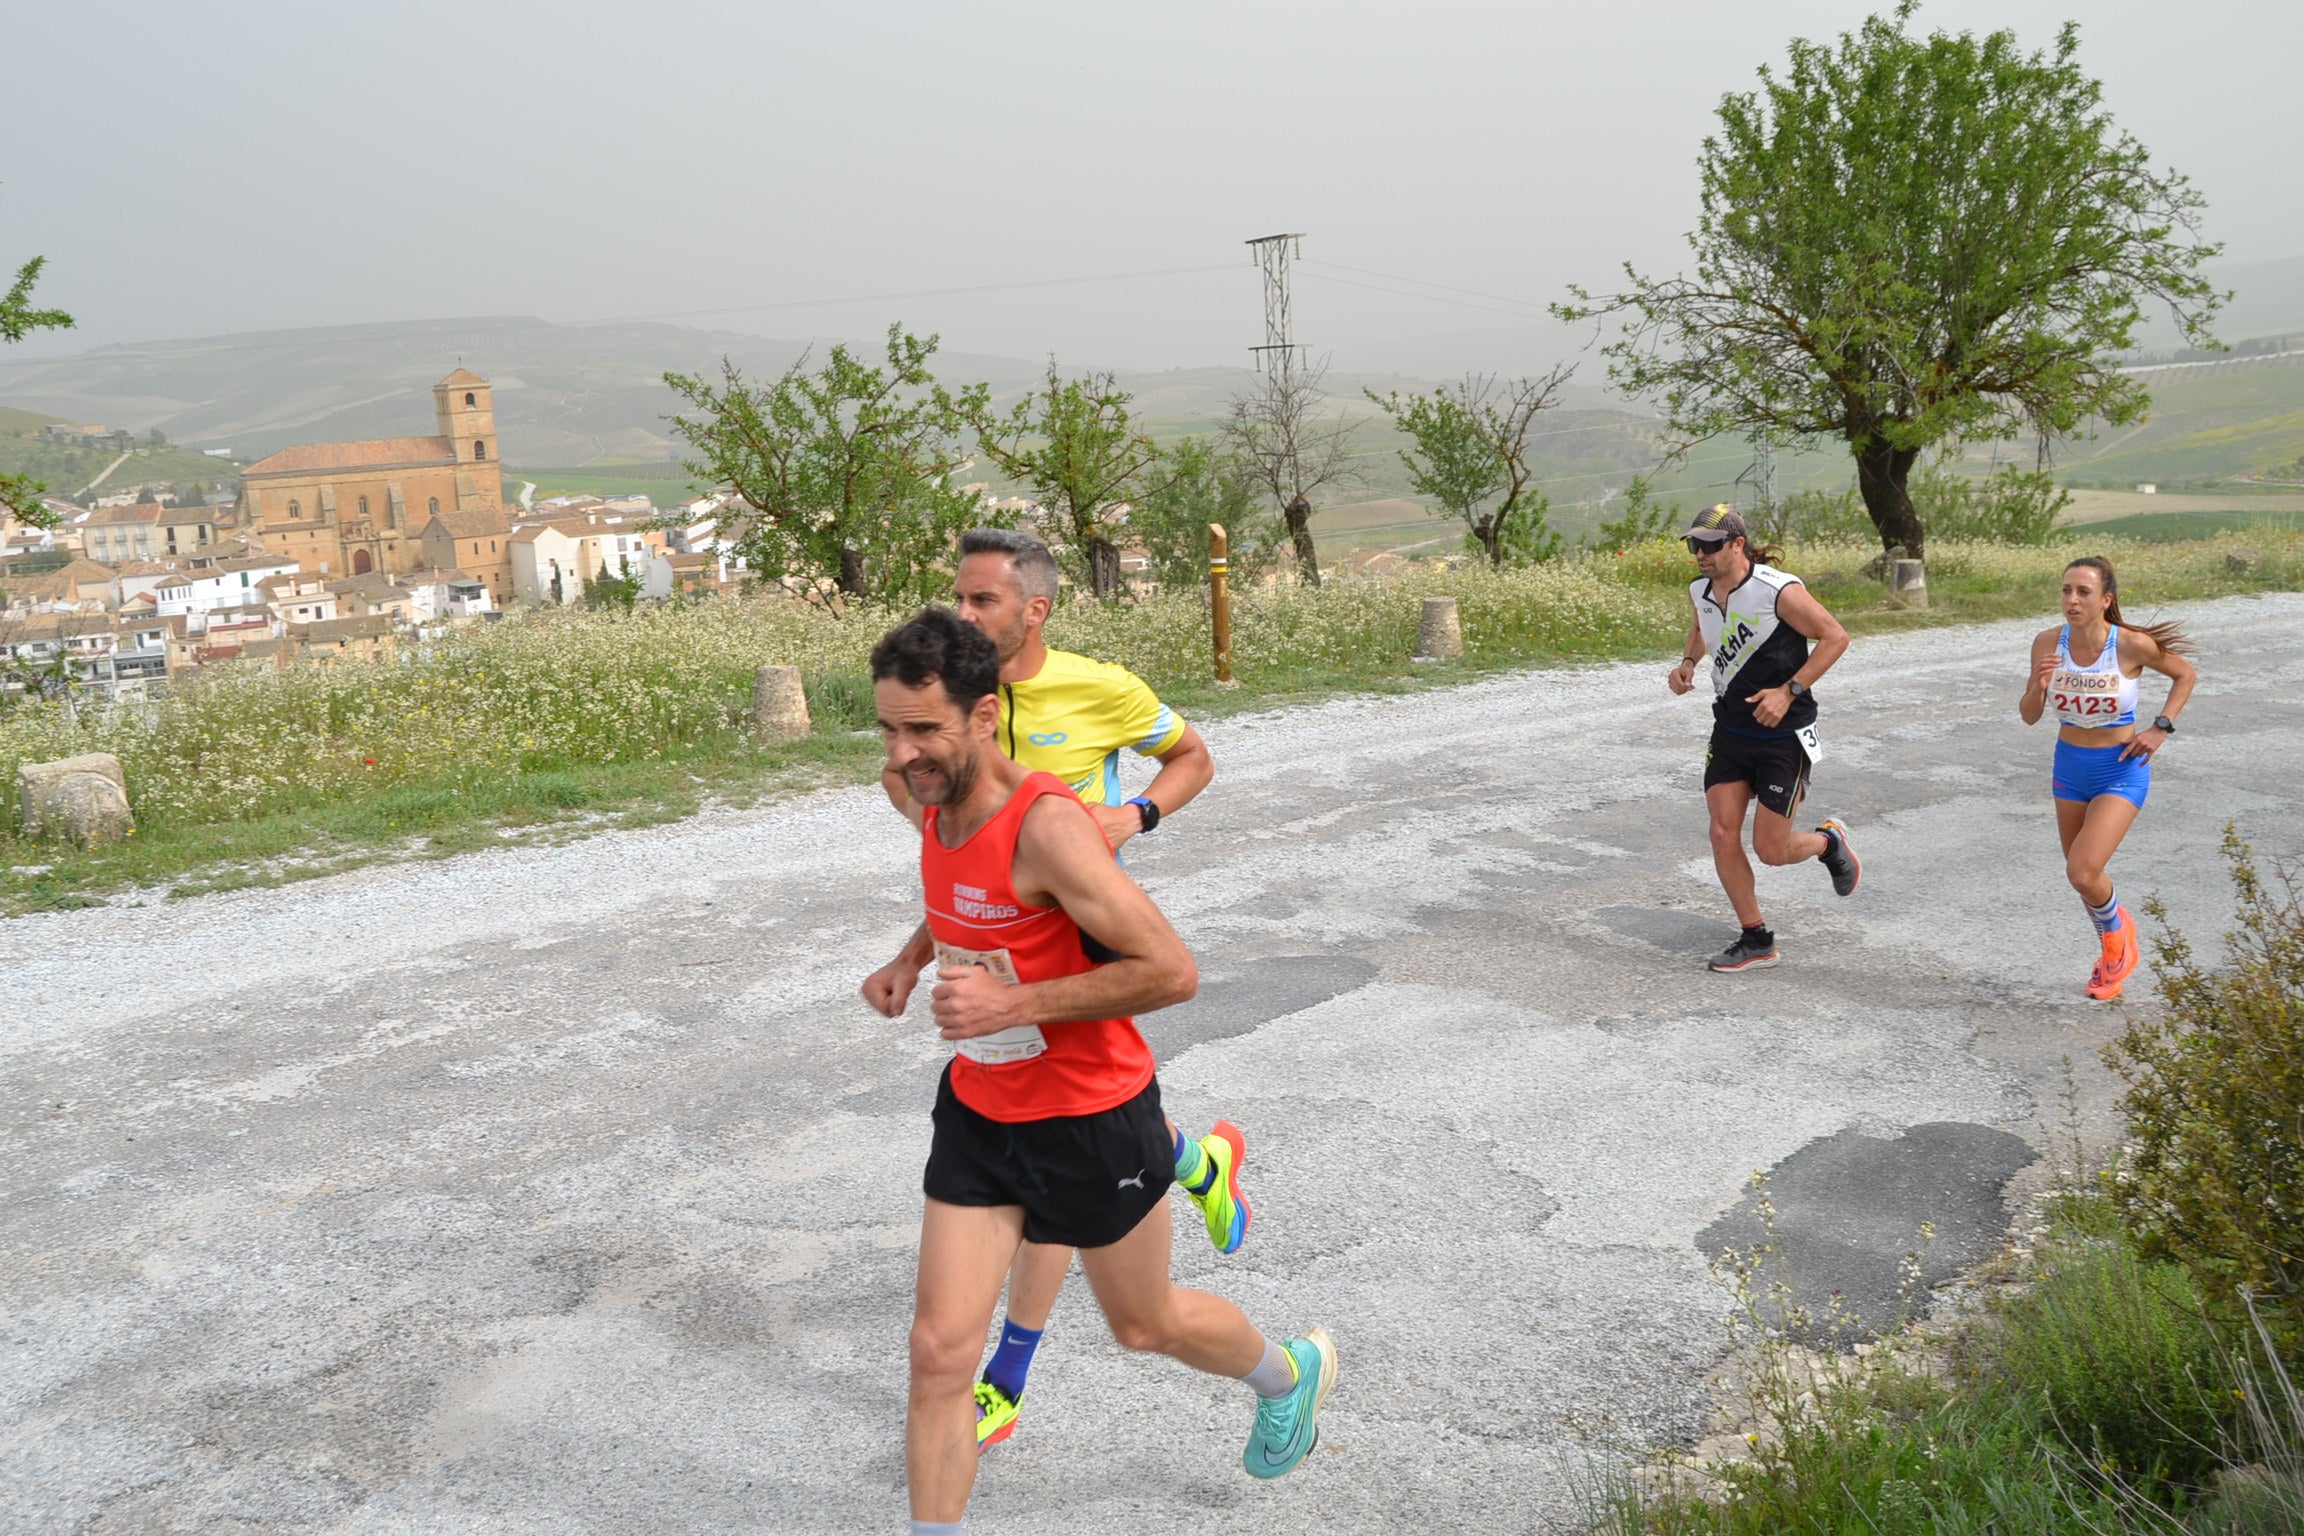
<point x="2167" y="635"/>
<point x="1761" y="554"/>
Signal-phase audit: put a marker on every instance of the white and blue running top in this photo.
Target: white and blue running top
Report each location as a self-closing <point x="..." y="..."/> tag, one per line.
<point x="2094" y="696"/>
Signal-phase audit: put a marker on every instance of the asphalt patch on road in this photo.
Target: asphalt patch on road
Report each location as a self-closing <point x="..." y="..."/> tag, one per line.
<point x="1242" y="996"/>
<point x="1848" y="1212"/>
<point x="1695" y="934"/>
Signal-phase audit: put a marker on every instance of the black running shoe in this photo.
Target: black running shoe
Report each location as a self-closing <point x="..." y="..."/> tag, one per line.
<point x="1746" y="954"/>
<point x="1840" y="857"/>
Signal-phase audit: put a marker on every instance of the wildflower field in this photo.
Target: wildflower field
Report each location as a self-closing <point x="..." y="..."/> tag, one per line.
<point x="542" y="715"/>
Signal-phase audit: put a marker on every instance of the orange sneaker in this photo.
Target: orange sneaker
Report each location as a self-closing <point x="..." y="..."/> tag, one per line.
<point x="2117" y="963"/>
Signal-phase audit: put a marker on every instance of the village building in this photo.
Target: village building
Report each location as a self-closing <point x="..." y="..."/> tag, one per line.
<point x="295" y="597"/>
<point x="230" y="583"/>
<point x="345" y="509"/>
<point x="113" y="535"/>
<point x="478" y="543"/>
<point x="82" y="586"/>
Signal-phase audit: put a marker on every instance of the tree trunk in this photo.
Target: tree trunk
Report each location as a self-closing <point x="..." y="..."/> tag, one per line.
<point x="1103" y="569"/>
<point x="1880" y="475"/>
<point x="851" y="572"/>
<point x="1490" y="532"/>
<point x="1298" y="514"/>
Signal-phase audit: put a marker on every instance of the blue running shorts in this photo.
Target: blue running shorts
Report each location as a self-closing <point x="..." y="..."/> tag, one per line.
<point x="2083" y="773"/>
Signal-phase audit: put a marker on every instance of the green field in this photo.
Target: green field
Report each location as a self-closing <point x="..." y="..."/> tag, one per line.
<point x="666" y="484"/>
<point x="2208" y="427"/>
<point x="2174" y="527"/>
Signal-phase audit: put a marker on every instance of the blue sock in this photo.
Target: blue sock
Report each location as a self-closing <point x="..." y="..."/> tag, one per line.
<point x="1012" y="1361"/>
<point x="2107" y="916"/>
<point x="1195" y="1169"/>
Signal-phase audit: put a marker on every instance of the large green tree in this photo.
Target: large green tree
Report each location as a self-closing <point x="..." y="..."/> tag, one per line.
<point x="1468" y="456"/>
<point x="1073" y="448"/>
<point x="20" y="494"/>
<point x="842" y="474"/>
<point x="1911" y="240"/>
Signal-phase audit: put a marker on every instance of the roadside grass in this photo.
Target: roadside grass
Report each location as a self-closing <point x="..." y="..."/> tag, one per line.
<point x="2085" y="1395"/>
<point x="581" y="720"/>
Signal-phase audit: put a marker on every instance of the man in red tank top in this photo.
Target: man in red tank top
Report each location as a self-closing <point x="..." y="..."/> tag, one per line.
<point x="1047" y="1124"/>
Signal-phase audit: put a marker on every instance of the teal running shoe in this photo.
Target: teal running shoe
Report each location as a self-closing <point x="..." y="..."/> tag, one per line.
<point x="1288" y="1427"/>
<point x="1223" y="1208"/>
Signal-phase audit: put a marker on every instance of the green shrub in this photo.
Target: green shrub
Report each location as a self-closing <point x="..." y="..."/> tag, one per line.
<point x="2010" y="506"/>
<point x="2215" y="1104"/>
<point x="2112" y="1354"/>
<point x="842" y="701"/>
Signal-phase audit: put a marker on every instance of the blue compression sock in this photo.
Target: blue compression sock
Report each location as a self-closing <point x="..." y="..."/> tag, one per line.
<point x="1195" y="1169"/>
<point x="2106" y="917"/>
<point x="1012" y="1361"/>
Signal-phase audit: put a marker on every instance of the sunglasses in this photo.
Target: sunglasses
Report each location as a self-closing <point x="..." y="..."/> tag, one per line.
<point x="1697" y="546"/>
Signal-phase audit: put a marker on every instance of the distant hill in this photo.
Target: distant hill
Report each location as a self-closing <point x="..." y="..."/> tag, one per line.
<point x="2206" y="424"/>
<point x="565" y="395"/>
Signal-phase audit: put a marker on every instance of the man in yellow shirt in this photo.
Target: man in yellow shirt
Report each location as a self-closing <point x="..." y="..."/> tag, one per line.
<point x="1070" y="715"/>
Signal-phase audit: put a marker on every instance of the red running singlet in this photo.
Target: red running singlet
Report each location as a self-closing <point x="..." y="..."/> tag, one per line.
<point x="1033" y="1072"/>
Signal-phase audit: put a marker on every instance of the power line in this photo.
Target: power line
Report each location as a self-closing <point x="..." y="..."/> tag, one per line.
<point x="1435" y="298"/>
<point x="1394" y="277"/>
<point x="918" y="293"/>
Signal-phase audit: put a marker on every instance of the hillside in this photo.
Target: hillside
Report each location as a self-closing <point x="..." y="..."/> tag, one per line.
<point x="2206" y="424"/>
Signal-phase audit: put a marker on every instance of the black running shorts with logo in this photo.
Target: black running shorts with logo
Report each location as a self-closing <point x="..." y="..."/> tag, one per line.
<point x="1774" y="766"/>
<point x="1083" y="1180"/>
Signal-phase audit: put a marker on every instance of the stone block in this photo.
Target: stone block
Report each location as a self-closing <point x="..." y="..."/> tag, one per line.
<point x="1439" y="634"/>
<point x="2243" y="562"/>
<point x="82" y="800"/>
<point x="1908" y="580"/>
<point x="779" y="704"/>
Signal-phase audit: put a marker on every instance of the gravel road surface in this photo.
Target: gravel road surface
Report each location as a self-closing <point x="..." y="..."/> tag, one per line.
<point x="573" y="1189"/>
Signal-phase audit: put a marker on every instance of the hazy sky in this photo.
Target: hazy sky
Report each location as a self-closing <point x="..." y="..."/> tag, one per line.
<point x="240" y="166"/>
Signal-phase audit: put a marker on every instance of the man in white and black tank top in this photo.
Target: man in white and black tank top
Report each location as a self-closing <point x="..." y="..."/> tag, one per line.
<point x="1755" y="623"/>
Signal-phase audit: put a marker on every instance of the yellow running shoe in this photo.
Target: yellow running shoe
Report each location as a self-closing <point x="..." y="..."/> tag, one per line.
<point x="996" y="1415"/>
<point x="1223" y="1207"/>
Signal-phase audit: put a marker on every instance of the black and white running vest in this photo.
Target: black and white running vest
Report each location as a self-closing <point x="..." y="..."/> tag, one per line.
<point x="1751" y="649"/>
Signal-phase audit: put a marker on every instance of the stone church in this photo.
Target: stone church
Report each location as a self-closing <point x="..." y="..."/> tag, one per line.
<point x="395" y="504"/>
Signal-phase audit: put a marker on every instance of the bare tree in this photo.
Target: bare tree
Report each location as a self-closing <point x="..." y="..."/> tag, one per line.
<point x="1470" y="457"/>
<point x="1293" y="451"/>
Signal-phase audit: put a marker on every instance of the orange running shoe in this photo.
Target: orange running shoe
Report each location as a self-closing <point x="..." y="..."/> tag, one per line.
<point x="2117" y="963"/>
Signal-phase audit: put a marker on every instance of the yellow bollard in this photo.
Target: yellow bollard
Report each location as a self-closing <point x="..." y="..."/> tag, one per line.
<point x="1220" y="603"/>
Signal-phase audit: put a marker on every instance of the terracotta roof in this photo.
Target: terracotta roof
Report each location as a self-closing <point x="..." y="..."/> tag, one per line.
<point x="479" y="523"/>
<point x="460" y="378"/>
<point x="141" y="512"/>
<point x="145" y="567"/>
<point x="84" y="569"/>
<point x="362" y="628"/>
<point x="256" y="563"/>
<point x="322" y="458"/>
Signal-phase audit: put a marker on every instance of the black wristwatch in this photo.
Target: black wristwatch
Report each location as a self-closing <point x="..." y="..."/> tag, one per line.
<point x="1146" y="809"/>
<point x="2164" y="725"/>
<point x="1798" y="688"/>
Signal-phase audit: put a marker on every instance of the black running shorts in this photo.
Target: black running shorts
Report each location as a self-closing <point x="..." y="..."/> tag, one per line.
<point x="1083" y="1180"/>
<point x="1774" y="766"/>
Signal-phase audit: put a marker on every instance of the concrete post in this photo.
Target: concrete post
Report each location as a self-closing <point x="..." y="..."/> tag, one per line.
<point x="1439" y="636"/>
<point x="1908" y="579"/>
<point x="779" y="704"/>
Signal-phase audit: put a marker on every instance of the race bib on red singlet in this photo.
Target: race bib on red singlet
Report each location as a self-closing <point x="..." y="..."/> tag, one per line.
<point x="1003" y="1046"/>
<point x="2085" y="699"/>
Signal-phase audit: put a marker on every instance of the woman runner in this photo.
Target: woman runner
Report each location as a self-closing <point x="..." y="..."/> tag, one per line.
<point x="2088" y="673"/>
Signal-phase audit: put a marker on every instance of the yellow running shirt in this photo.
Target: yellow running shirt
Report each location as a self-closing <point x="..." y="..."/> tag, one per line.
<point x="1075" y="716"/>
